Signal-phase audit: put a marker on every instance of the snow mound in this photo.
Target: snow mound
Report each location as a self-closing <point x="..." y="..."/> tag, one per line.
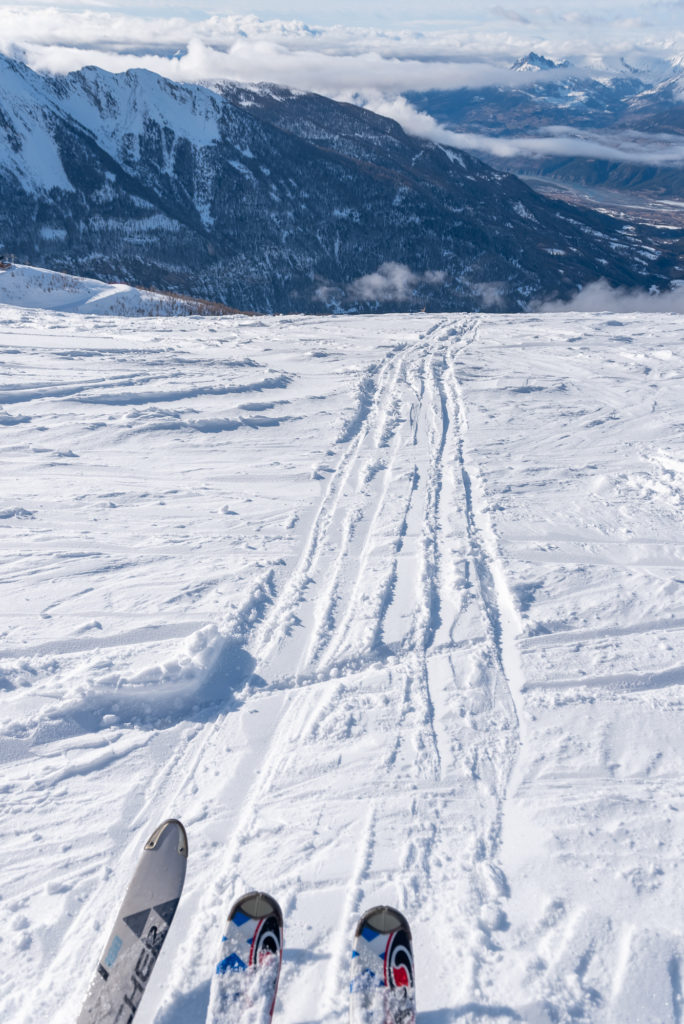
<point x="36" y="288"/>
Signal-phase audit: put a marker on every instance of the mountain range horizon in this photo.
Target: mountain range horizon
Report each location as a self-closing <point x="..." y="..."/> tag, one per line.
<point x="276" y="200"/>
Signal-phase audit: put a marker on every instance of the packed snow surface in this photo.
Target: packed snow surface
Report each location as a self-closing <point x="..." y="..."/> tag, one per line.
<point x="384" y="609"/>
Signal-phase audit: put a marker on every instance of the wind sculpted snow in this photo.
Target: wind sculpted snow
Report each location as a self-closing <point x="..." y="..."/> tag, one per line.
<point x="418" y="642"/>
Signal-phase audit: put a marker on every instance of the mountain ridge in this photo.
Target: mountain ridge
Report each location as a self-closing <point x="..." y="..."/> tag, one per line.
<point x="611" y="104"/>
<point x="280" y="201"/>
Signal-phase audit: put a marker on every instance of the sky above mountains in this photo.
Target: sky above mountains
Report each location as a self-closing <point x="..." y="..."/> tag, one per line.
<point x="391" y="28"/>
<point x="393" y="14"/>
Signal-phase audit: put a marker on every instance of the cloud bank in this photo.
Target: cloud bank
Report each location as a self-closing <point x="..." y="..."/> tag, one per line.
<point x="632" y="148"/>
<point x="391" y="282"/>
<point x="600" y="297"/>
<point x="260" y="58"/>
<point x="468" y="49"/>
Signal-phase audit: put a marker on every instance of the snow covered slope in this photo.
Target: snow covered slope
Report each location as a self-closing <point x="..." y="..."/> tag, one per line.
<point x="36" y="288"/>
<point x="384" y="608"/>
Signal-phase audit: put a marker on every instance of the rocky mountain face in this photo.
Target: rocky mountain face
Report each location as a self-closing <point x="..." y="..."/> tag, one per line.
<point x="611" y="104"/>
<point x="276" y="201"/>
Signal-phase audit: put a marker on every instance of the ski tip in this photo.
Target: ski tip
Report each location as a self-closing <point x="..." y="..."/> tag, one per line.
<point x="168" y="832"/>
<point x="383" y="920"/>
<point x="257" y="905"/>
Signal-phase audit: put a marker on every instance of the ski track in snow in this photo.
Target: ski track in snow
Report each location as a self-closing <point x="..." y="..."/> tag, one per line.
<point x="385" y="610"/>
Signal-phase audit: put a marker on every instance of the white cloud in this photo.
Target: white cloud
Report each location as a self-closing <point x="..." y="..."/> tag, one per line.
<point x="492" y="294"/>
<point x="264" y="58"/>
<point x="391" y="282"/>
<point x="471" y="48"/>
<point x="600" y="297"/>
<point x="511" y="15"/>
<point x="632" y="147"/>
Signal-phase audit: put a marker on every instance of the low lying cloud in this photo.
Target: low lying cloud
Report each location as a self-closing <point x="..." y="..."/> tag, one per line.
<point x="629" y="147"/>
<point x="264" y="59"/>
<point x="632" y="148"/>
<point x="600" y="297"/>
<point x="493" y="294"/>
<point x="391" y="282"/>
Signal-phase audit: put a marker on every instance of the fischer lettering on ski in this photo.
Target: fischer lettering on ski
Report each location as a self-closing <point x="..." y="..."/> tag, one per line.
<point x="142" y="924"/>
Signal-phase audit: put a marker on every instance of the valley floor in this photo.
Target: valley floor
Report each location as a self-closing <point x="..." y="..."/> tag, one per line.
<point x="627" y="204"/>
<point x="385" y="609"/>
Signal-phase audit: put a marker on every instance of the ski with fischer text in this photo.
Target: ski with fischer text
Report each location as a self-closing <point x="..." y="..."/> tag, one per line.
<point x="142" y="924"/>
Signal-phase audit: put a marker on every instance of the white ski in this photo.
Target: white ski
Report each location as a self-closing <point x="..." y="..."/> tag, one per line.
<point x="142" y="924"/>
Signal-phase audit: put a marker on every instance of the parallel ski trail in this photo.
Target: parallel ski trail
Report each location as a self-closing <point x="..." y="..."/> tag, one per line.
<point x="346" y="674"/>
<point x="378" y="683"/>
<point x="418" y="642"/>
<point x="283" y="619"/>
<point x="365" y="527"/>
<point x="391" y="702"/>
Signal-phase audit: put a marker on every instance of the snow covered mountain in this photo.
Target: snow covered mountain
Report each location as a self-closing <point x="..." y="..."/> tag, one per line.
<point x="535" y="62"/>
<point x="385" y="609"/>
<point x="272" y="200"/>
<point x="605" y="100"/>
<point x="610" y="95"/>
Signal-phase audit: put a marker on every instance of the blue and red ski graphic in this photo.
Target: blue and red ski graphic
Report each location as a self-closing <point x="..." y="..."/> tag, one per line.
<point x="382" y="976"/>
